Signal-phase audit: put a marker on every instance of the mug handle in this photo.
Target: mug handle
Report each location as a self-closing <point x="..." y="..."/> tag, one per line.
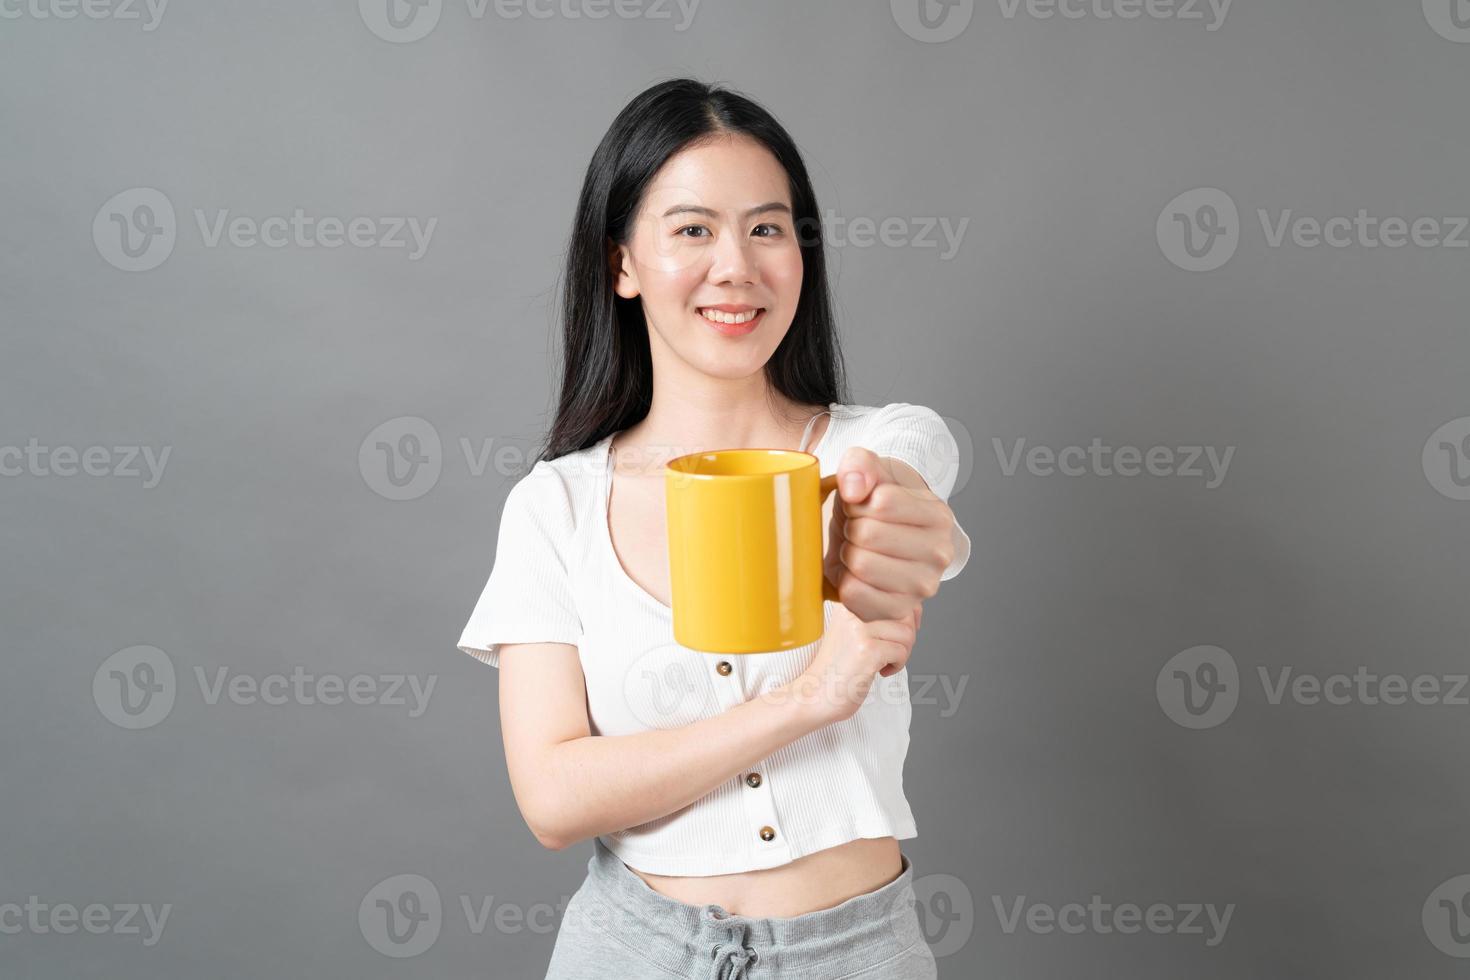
<point x="829" y="591"/>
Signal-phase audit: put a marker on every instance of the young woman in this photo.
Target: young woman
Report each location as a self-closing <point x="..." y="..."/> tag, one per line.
<point x="745" y="811"/>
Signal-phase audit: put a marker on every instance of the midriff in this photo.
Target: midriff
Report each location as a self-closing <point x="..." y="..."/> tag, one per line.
<point x="808" y="884"/>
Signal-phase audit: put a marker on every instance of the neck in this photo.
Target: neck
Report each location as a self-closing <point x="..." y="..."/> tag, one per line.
<point x="692" y="412"/>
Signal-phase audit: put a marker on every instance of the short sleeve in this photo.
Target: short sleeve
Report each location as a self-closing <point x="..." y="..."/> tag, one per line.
<point x="528" y="597"/>
<point x="918" y="436"/>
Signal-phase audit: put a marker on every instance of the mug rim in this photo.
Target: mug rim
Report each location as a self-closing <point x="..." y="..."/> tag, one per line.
<point x="671" y="470"/>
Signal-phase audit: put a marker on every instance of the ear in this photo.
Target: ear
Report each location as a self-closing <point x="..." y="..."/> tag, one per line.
<point x="620" y="265"/>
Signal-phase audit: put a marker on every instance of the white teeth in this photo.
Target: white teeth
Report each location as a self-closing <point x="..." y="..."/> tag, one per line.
<point x="719" y="317"/>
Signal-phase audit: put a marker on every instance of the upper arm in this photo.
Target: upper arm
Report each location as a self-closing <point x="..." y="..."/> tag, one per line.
<point x="526" y="622"/>
<point x="543" y="702"/>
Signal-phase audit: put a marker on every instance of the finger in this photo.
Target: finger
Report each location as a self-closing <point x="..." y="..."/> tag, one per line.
<point x="836" y="535"/>
<point x="887" y="538"/>
<point x="892" y="630"/>
<point x="858" y="472"/>
<point x="898" y="661"/>
<point x="899" y="504"/>
<point x="869" y="603"/>
<point x="896" y="575"/>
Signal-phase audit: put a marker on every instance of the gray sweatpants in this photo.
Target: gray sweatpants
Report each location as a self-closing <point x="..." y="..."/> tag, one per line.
<point x="617" y="928"/>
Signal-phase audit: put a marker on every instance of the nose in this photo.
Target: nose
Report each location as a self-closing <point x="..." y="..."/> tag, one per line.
<point x="733" y="263"/>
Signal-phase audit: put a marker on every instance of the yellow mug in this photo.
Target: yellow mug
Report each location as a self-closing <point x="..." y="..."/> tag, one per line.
<point x="745" y="549"/>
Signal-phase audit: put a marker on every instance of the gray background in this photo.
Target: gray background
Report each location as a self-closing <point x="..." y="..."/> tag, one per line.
<point x="267" y="546"/>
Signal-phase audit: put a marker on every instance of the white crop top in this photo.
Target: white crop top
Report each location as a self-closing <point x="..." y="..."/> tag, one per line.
<point x="557" y="579"/>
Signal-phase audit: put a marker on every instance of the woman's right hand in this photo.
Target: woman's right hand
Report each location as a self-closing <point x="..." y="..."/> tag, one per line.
<point x="852" y="653"/>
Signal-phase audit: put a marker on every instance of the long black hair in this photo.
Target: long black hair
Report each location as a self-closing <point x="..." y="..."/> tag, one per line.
<point x="607" y="371"/>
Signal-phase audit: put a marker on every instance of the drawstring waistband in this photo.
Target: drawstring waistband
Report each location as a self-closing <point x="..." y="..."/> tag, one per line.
<point x="706" y="942"/>
<point x="731" y="959"/>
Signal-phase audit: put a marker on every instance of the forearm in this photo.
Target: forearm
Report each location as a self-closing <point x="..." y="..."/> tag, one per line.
<point x="603" y="783"/>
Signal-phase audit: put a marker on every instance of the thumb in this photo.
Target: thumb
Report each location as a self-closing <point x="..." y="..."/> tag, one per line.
<point x="857" y="474"/>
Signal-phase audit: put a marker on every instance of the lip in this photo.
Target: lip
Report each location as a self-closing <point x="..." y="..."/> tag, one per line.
<point x="732" y="329"/>
<point x="729" y="308"/>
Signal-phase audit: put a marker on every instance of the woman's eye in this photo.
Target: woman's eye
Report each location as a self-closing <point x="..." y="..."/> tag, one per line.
<point x="774" y="230"/>
<point x="681" y="231"/>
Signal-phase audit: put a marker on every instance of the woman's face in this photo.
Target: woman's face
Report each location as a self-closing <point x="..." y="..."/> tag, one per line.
<point x="715" y="230"/>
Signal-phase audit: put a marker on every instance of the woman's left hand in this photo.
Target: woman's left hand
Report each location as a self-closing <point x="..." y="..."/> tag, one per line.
<point x="891" y="537"/>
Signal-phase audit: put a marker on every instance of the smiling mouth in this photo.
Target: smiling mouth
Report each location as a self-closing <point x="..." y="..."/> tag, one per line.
<point x="730" y="319"/>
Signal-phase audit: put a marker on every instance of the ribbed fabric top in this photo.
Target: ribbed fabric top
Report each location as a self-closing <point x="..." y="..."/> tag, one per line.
<point x="557" y="579"/>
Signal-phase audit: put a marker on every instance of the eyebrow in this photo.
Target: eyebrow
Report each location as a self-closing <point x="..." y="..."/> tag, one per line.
<point x="696" y="209"/>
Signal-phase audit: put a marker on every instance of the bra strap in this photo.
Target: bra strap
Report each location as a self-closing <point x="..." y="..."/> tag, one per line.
<point x="808" y="431"/>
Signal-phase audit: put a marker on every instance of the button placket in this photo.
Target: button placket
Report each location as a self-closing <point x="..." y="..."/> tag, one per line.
<point x="760" y="808"/>
<point x="727" y="675"/>
<point x="726" y="678"/>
